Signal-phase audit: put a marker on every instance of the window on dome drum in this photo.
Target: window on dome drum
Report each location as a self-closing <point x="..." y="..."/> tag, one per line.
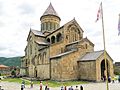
<point x="42" y="26"/>
<point x="59" y="37"/>
<point x="54" y="26"/>
<point x="53" y="39"/>
<point x="50" y="25"/>
<point x="46" y="25"/>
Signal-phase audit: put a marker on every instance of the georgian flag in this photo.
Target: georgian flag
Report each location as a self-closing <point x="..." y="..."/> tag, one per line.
<point x="119" y="25"/>
<point x="99" y="13"/>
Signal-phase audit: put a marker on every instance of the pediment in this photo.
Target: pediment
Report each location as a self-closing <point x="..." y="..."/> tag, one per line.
<point x="73" y="23"/>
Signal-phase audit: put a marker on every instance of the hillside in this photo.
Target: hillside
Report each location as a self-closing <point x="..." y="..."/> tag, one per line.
<point x="13" y="61"/>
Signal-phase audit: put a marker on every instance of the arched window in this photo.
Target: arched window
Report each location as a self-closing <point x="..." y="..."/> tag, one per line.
<point x="86" y="46"/>
<point x="50" y="25"/>
<point x="46" y="25"/>
<point x="55" y="25"/>
<point x="42" y="26"/>
<point x="44" y="57"/>
<point x="30" y="49"/>
<point x="53" y="39"/>
<point x="48" y="40"/>
<point x="59" y="37"/>
<point x="73" y="33"/>
<point x="37" y="60"/>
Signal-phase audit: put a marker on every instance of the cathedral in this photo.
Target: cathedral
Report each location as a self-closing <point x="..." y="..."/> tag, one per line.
<point x="61" y="53"/>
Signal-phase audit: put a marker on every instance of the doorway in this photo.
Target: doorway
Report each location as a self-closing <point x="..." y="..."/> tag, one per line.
<point x="103" y="69"/>
<point x="35" y="72"/>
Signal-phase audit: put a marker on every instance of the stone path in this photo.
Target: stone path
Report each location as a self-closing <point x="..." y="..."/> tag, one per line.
<point x="91" y="86"/>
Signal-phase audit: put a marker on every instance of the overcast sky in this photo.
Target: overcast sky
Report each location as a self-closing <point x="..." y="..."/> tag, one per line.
<point x="17" y="16"/>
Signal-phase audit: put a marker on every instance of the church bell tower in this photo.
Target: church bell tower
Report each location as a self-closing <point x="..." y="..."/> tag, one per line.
<point x="50" y="19"/>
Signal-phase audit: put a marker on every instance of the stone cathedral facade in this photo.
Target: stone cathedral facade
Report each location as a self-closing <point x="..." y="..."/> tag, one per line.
<point x="61" y="53"/>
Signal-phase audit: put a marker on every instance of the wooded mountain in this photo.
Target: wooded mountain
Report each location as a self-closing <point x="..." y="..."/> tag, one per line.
<point x="13" y="61"/>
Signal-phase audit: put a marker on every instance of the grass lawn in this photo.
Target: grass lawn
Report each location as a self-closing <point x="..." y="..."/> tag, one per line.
<point x="17" y="80"/>
<point x="49" y="82"/>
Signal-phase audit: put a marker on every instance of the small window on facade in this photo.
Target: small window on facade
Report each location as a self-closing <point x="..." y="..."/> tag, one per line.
<point x="86" y="46"/>
<point x="48" y="40"/>
<point x="53" y="39"/>
<point x="30" y="49"/>
<point x="59" y="37"/>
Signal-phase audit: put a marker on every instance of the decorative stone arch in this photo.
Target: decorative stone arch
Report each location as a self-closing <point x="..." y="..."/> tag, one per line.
<point x="44" y="56"/>
<point x="58" y="37"/>
<point x="73" y="33"/>
<point x="37" y="59"/>
<point x="52" y="39"/>
<point x="40" y="58"/>
<point x="100" y="67"/>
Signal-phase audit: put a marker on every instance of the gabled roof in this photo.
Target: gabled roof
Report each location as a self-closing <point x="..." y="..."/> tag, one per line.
<point x="75" y="22"/>
<point x="37" y="33"/>
<point x="62" y="54"/>
<point x="91" y="56"/>
<point x="3" y="66"/>
<point x="41" y="43"/>
<point x="50" y="11"/>
<point x="84" y="39"/>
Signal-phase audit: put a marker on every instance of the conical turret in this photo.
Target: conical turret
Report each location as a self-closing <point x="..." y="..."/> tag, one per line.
<point x="50" y="19"/>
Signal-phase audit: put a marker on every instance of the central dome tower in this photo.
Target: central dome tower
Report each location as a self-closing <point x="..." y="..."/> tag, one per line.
<point x="50" y="19"/>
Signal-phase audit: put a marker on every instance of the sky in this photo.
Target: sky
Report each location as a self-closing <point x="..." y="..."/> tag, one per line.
<point x="18" y="16"/>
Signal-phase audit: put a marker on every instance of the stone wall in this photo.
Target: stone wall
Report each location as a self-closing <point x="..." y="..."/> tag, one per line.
<point x="56" y="69"/>
<point x="31" y="70"/>
<point x="43" y="71"/>
<point x="65" y="67"/>
<point x="87" y="70"/>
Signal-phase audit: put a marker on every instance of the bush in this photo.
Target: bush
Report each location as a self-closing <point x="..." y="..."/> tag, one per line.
<point x="13" y="73"/>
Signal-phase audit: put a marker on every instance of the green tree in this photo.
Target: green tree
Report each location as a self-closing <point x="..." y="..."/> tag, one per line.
<point x="13" y="73"/>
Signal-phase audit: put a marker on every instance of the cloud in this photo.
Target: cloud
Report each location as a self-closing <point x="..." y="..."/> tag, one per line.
<point x="2" y="24"/>
<point x="26" y="9"/>
<point x="1" y="9"/>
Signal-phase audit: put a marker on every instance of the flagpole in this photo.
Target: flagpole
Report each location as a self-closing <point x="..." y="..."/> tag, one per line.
<point x="106" y="71"/>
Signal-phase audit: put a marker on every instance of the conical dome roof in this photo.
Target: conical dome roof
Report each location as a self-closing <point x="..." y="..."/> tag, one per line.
<point x="50" y="11"/>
